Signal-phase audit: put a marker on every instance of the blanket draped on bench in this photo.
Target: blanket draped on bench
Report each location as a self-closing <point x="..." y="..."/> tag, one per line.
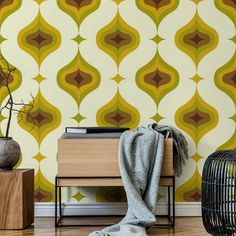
<point x="140" y="159"/>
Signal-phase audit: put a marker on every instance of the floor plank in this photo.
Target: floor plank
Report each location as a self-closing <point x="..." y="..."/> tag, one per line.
<point x="45" y="227"/>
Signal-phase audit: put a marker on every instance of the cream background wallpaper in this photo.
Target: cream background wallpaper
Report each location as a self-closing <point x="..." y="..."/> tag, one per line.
<point x="120" y="63"/>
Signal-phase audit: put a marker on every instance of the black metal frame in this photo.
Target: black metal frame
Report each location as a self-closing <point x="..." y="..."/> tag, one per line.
<point x="58" y="218"/>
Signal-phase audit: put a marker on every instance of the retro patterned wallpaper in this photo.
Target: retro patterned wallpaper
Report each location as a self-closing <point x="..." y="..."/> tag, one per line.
<point x="121" y="63"/>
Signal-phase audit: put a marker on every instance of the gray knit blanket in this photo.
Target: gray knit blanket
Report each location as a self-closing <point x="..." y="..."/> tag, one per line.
<point x="140" y="159"/>
<point x="180" y="152"/>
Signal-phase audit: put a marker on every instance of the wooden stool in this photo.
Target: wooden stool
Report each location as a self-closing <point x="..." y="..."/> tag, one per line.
<point x="16" y="198"/>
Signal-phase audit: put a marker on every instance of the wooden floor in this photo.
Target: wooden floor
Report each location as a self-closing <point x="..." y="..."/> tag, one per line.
<point x="190" y="226"/>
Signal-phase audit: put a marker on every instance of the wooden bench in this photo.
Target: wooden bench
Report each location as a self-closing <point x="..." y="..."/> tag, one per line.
<point x="94" y="162"/>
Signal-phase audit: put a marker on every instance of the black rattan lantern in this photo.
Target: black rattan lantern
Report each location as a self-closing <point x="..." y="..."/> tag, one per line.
<point x="219" y="193"/>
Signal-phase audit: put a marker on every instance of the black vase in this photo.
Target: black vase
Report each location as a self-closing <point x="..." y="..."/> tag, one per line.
<point x="9" y="153"/>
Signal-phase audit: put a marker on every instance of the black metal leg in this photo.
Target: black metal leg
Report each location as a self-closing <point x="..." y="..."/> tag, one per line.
<point x="60" y="211"/>
<point x="56" y="225"/>
<point x="173" y="222"/>
<point x="169" y="204"/>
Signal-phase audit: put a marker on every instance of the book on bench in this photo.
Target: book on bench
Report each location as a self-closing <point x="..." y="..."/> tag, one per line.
<point x="94" y="130"/>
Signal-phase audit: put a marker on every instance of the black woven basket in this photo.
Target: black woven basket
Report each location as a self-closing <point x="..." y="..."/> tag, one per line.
<point x="219" y="193"/>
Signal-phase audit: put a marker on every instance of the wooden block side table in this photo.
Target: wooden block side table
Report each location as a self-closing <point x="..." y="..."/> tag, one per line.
<point x="16" y="198"/>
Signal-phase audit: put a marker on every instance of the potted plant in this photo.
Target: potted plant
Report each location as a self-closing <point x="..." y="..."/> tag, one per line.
<point x="9" y="148"/>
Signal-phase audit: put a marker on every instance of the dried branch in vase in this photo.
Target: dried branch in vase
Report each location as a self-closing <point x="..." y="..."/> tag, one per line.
<point x="20" y="108"/>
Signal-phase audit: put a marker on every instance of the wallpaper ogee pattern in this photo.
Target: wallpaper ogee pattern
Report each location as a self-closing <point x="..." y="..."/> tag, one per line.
<point x="120" y="63"/>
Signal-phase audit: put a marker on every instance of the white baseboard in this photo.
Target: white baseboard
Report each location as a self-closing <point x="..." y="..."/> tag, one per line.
<point x="48" y="209"/>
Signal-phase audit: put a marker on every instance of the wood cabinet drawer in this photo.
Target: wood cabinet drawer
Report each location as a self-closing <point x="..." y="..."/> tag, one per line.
<point x="98" y="157"/>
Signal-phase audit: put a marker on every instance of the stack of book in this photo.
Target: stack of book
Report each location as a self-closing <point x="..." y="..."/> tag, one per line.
<point x="93" y="132"/>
